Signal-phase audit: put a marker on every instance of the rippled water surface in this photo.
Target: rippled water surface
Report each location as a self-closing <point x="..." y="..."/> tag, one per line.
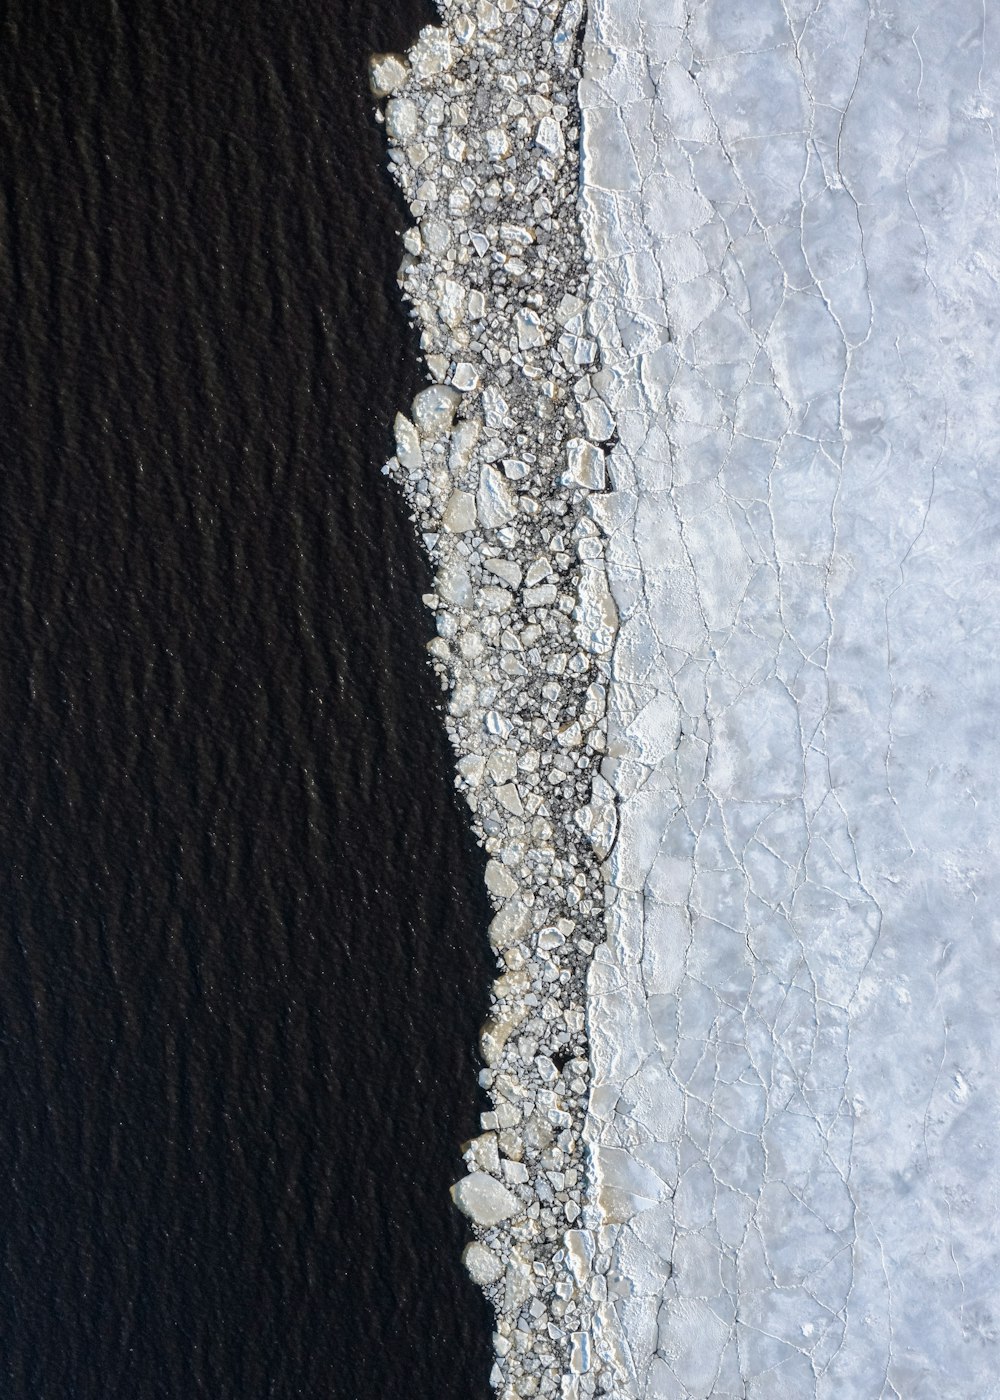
<point x="241" y="949"/>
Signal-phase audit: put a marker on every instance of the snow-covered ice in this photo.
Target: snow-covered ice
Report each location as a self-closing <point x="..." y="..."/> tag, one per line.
<point x="792" y="211"/>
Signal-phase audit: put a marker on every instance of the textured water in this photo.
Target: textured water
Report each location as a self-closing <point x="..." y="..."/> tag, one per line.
<point x="241" y="959"/>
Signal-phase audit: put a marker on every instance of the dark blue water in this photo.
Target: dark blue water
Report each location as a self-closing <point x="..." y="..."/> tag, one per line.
<point x="241" y="950"/>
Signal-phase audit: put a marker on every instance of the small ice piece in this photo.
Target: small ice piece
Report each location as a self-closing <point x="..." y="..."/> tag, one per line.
<point x="496" y="1032"/>
<point x="518" y="235"/>
<point x="488" y="16"/>
<point x="538" y="571"/>
<point x="494" y="722"/>
<point x="495" y="407"/>
<point x="472" y="767"/>
<point x="481" y="1154"/>
<point x="579" y="1253"/>
<point x="493" y="450"/>
<point x="436" y="234"/>
<point x="580" y="1357"/>
<point x="432" y="53"/>
<point x="502" y="765"/>
<point x="595" y="615"/>
<point x="510" y="796"/>
<point x="452" y="302"/>
<point x="438" y="366"/>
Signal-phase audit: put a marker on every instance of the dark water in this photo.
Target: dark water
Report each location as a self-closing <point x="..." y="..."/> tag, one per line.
<point x="241" y="958"/>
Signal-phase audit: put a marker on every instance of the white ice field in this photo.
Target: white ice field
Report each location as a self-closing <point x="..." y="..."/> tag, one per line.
<point x="794" y="219"/>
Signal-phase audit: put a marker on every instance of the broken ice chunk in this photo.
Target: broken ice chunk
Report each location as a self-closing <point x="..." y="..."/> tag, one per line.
<point x="454" y="585"/>
<point x="597" y="420"/>
<point x="529" y="330"/>
<point x="569" y="307"/>
<point x="584" y="465"/>
<point x="510" y="924"/>
<point x="434" y="409"/>
<point x="506" y="569"/>
<point x="407" y="444"/>
<point x="483" y="1265"/>
<point x="499" y="880"/>
<point x="460" y="512"/>
<point x="550" y="137"/>
<point x="484" y="1199"/>
<point x="494" y="499"/>
<point x="387" y="72"/>
<point x="466" y="377"/>
<point x="463" y="442"/>
<point x="495" y="407"/>
<point x="595" y="615"/>
<point x="401" y="120"/>
<point x="599" y="819"/>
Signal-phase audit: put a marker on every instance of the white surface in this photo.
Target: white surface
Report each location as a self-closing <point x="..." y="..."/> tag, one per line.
<point x="793" y="211"/>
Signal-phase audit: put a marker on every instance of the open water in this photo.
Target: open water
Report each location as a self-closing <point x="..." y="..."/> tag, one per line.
<point x="242" y="959"/>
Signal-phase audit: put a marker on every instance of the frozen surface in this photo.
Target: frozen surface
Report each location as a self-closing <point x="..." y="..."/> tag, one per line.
<point x="792" y="211"/>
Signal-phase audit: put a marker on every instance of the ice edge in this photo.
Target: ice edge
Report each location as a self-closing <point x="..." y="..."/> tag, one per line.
<point x="502" y="463"/>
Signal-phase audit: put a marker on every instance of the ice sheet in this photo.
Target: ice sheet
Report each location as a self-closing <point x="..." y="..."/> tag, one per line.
<point x="792" y="215"/>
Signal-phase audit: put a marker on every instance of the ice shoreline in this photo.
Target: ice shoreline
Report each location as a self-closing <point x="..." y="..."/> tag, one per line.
<point x="503" y="466"/>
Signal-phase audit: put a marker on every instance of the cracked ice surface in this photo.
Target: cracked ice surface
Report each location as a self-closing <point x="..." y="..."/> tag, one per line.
<point x="792" y="217"/>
